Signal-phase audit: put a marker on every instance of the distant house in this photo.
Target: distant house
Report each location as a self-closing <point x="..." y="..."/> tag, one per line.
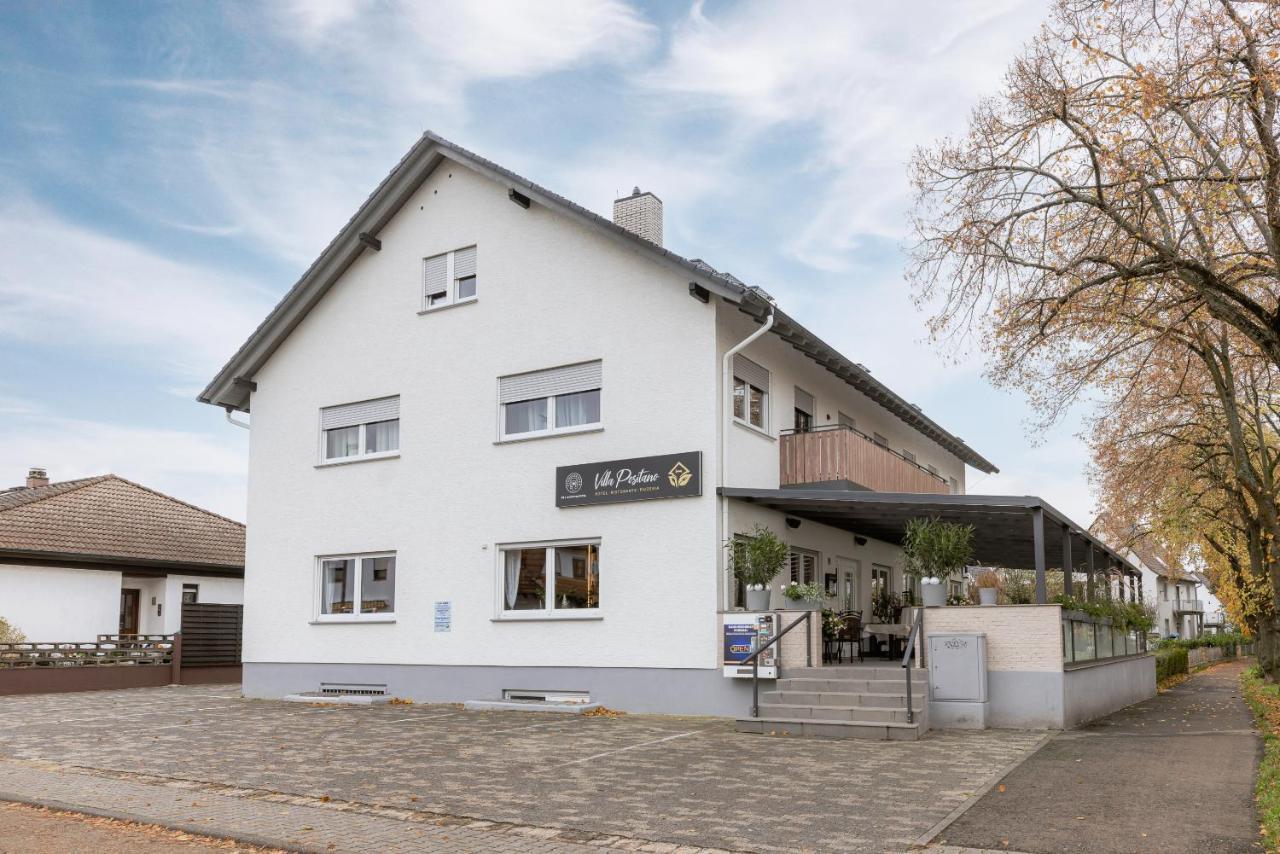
<point x="104" y="555"/>
<point x="1178" y="594"/>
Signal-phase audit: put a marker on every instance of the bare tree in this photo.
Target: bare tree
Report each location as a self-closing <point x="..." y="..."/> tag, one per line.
<point x="1133" y="157"/>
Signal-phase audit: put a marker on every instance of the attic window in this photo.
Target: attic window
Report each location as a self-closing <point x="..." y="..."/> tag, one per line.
<point x="449" y="279"/>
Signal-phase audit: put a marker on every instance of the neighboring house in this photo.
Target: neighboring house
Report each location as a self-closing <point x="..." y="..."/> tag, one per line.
<point x="454" y="407"/>
<point x="1215" y="616"/>
<point x="105" y="556"/>
<point x="1179" y="595"/>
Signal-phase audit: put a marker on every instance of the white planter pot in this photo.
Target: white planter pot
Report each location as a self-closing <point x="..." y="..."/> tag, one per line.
<point x="758" y="600"/>
<point x="802" y="605"/>
<point x="988" y="595"/>
<point x="933" y="594"/>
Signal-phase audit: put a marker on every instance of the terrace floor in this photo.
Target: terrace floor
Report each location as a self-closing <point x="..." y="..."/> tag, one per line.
<point x="342" y="778"/>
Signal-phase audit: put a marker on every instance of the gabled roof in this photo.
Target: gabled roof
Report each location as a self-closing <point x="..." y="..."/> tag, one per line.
<point x="231" y="388"/>
<point x="108" y="519"/>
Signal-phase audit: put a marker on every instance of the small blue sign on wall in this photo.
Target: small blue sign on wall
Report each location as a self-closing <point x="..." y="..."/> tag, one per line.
<point x="444" y="616"/>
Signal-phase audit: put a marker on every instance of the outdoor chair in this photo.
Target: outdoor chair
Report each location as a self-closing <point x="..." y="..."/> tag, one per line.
<point x="850" y="633"/>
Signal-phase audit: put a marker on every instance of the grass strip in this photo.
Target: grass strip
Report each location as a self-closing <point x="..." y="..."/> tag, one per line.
<point x="1264" y="699"/>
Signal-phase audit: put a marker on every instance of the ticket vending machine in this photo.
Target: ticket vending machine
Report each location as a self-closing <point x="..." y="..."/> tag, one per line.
<point x="744" y="633"/>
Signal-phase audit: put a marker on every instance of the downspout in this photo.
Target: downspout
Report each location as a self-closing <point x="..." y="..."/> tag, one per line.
<point x="231" y="420"/>
<point x="726" y="401"/>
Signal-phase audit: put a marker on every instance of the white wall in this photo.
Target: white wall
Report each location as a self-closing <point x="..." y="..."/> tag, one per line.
<point x="60" y="604"/>
<point x="550" y="293"/>
<point x="753" y="457"/>
<point x="830" y="543"/>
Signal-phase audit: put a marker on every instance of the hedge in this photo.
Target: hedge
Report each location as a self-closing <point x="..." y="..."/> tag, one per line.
<point x="1170" y="661"/>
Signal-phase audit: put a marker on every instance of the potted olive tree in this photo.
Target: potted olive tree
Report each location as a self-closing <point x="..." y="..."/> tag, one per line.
<point x="756" y="561"/>
<point x="934" y="551"/>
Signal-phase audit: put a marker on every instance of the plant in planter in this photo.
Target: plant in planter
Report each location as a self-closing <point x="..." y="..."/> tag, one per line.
<point x="756" y="560"/>
<point x="886" y="607"/>
<point x="805" y="596"/>
<point x="987" y="582"/>
<point x="934" y="551"/>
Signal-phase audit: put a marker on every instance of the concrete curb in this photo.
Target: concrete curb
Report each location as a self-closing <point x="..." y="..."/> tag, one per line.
<point x="122" y="815"/>
<point x="924" y="840"/>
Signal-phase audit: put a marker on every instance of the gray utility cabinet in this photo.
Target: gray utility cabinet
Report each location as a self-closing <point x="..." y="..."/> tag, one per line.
<point x="958" y="668"/>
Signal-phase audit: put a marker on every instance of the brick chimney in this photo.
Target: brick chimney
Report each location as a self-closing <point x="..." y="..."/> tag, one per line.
<point x="640" y="213"/>
<point x="37" y="477"/>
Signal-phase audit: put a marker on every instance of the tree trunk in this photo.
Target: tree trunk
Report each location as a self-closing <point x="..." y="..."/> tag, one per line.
<point x="1267" y="645"/>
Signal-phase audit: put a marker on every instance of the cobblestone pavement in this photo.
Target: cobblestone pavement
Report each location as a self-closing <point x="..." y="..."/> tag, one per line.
<point x="530" y="779"/>
<point x="34" y="830"/>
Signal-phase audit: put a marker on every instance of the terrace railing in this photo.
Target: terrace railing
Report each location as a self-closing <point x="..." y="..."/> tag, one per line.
<point x="107" y="651"/>
<point x="838" y="453"/>
<point x="1086" y="638"/>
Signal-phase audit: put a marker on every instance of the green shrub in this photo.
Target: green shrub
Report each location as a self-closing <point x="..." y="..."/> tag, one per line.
<point x="1264" y="700"/>
<point x="1170" y="661"/>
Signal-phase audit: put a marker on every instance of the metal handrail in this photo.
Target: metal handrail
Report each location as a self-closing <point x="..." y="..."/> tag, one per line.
<point x="754" y="659"/>
<point x="906" y="659"/>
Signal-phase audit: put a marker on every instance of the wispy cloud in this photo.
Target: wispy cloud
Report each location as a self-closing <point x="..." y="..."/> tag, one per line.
<point x="100" y="292"/>
<point x="869" y="87"/>
<point x="206" y="469"/>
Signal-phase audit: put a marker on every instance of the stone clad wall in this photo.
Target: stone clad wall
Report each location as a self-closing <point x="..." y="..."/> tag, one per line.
<point x="1019" y="637"/>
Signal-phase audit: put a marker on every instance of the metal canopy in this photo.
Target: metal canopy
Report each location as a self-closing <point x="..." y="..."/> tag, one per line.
<point x="1003" y="524"/>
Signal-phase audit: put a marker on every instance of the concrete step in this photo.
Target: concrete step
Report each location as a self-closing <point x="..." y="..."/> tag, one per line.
<point x="861" y="686"/>
<point x="836" y="671"/>
<point x="784" y="711"/>
<point x="825" y="728"/>
<point x="843" y="698"/>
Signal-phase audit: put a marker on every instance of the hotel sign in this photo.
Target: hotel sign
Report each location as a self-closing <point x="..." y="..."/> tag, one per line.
<point x="638" y="479"/>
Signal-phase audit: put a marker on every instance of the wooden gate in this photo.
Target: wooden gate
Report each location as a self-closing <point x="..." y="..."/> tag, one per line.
<point x="211" y="643"/>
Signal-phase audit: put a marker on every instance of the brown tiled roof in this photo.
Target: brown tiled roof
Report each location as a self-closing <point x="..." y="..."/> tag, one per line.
<point x="110" y="518"/>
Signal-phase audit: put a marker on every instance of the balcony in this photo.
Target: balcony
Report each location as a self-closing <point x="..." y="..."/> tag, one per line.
<point x="1188" y="606"/>
<point x="841" y="457"/>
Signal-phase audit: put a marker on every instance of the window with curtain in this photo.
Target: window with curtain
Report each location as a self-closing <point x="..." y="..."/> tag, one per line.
<point x="555" y="400"/>
<point x="355" y="586"/>
<point x="449" y="278"/>
<point x="364" y="430"/>
<point x="750" y="391"/>
<point x="550" y="578"/>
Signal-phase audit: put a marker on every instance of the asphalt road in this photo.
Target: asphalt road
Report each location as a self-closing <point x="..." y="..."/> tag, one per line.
<point x="1174" y="774"/>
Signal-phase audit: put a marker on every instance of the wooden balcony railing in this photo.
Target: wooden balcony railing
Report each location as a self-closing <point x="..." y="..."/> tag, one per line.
<point x="838" y="454"/>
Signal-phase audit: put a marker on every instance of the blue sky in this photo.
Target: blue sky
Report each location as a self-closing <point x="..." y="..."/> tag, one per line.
<point x="168" y="170"/>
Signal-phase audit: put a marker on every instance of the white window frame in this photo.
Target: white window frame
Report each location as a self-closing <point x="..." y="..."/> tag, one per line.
<point x="796" y="551"/>
<point x="549" y="612"/>
<point x="552" y="429"/>
<point x="451" y="298"/>
<point x="746" y="409"/>
<point x="318" y="599"/>
<point x="357" y="457"/>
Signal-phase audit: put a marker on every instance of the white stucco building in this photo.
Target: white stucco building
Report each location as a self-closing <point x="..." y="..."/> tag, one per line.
<point x="1181" y="598"/>
<point x="442" y="412"/>
<point x="106" y="556"/>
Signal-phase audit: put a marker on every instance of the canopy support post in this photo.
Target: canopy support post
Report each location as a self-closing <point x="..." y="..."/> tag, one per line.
<point x="1037" y="538"/>
<point x="1066" y="561"/>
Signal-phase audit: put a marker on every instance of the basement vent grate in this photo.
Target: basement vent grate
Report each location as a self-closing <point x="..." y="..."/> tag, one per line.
<point x="546" y="696"/>
<point x="333" y="689"/>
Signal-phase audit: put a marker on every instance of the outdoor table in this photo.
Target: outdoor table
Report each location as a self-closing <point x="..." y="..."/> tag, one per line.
<point x="895" y="632"/>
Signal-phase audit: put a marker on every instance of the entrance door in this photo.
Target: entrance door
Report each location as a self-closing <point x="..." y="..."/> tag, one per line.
<point x="848" y="570"/>
<point x="130" y="599"/>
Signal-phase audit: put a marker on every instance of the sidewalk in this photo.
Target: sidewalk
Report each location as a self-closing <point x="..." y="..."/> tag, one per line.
<point x="285" y="821"/>
<point x="1173" y="774"/>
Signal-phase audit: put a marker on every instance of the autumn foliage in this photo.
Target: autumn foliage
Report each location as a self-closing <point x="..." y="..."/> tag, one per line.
<point x="1109" y="231"/>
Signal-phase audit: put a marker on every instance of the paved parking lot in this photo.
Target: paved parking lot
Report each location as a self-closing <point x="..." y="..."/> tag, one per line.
<point x="565" y="780"/>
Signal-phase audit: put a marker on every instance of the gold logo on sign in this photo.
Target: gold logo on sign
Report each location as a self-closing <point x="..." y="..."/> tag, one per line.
<point x="679" y="475"/>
